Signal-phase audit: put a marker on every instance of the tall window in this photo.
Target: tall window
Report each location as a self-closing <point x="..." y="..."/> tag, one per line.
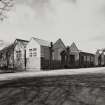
<point x="18" y="54"/>
<point x="53" y="55"/>
<point x="33" y="52"/>
<point x="88" y="58"/>
<point x="30" y="52"/>
<point x="84" y="58"/>
<point x="1" y="55"/>
<point x="92" y="59"/>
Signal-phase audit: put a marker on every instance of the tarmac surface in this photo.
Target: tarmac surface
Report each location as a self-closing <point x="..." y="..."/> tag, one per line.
<point x="57" y="87"/>
<point x="63" y="72"/>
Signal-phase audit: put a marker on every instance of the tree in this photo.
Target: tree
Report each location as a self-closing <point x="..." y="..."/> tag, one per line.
<point x="5" y="6"/>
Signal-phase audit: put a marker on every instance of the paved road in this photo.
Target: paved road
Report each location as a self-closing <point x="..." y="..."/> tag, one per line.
<point x="10" y="76"/>
<point x="78" y="89"/>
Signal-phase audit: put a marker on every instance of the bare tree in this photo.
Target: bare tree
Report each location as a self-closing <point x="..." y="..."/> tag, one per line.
<point x="5" y="6"/>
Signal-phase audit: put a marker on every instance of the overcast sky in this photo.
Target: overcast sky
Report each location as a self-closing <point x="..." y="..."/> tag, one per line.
<point x="79" y="21"/>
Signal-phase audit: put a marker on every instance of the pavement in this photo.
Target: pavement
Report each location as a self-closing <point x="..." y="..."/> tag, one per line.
<point x="26" y="74"/>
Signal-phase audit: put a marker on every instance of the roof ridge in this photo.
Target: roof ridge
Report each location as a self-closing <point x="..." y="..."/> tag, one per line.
<point x="6" y="47"/>
<point x="40" y="39"/>
<point x="60" y="41"/>
<point x="22" y="40"/>
<point x="42" y="42"/>
<point x="73" y="43"/>
<point x="87" y="52"/>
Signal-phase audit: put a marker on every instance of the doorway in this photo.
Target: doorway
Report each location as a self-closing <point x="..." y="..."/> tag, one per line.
<point x="72" y="60"/>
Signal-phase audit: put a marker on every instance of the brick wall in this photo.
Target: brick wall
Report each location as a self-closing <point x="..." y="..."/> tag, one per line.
<point x="48" y="65"/>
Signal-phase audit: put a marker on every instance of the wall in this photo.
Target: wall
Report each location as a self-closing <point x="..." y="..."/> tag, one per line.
<point x="76" y="54"/>
<point x="45" y="52"/>
<point x="19" y="62"/>
<point x="54" y="90"/>
<point x="74" y="51"/>
<point x="33" y="63"/>
<point x="3" y="60"/>
<point x="10" y="58"/>
<point x="6" y="58"/>
<point x="97" y="58"/>
<point x="86" y="59"/>
<point x="58" y="47"/>
<point x="102" y="59"/>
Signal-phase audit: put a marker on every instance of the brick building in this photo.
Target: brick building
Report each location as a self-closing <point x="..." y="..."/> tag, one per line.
<point x="58" y="58"/>
<point x="13" y="56"/>
<point x="41" y="54"/>
<point x="38" y="54"/>
<point x="86" y="59"/>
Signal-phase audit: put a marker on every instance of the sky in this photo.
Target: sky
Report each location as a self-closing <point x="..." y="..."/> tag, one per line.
<point x="79" y="21"/>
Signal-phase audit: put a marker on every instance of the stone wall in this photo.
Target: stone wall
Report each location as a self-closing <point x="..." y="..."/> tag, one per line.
<point x="54" y="90"/>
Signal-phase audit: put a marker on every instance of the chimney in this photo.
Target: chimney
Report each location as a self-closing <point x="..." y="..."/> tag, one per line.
<point x="51" y="44"/>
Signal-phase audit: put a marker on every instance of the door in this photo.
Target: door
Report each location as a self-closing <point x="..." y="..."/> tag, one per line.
<point x="72" y="60"/>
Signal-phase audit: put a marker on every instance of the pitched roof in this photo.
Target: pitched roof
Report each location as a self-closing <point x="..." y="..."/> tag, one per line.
<point x="86" y="53"/>
<point x="22" y="40"/>
<point x="10" y="46"/>
<point x="58" y="42"/>
<point x="73" y="47"/>
<point x="42" y="42"/>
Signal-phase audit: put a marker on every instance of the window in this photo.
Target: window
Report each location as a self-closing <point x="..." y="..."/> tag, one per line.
<point x="53" y="55"/>
<point x="88" y="58"/>
<point x="34" y="49"/>
<point x="1" y="55"/>
<point x="84" y="58"/>
<point x="30" y="49"/>
<point x="92" y="59"/>
<point x="33" y="52"/>
<point x="18" y="54"/>
<point x="30" y="52"/>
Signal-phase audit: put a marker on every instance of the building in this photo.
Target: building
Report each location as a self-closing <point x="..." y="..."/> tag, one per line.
<point x="58" y="56"/>
<point x="100" y="57"/>
<point x="79" y="58"/>
<point x="86" y="59"/>
<point x="41" y="54"/>
<point x="6" y="57"/>
<point x="13" y="56"/>
<point x="75" y="58"/>
<point x="38" y="54"/>
<point x="74" y="55"/>
<point x="97" y="58"/>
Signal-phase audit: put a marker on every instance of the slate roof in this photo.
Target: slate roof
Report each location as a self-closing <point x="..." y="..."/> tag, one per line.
<point x="7" y="47"/>
<point x="42" y="42"/>
<point x="59" y="41"/>
<point x="73" y="47"/>
<point x="12" y="45"/>
<point x="86" y="53"/>
<point x="22" y="40"/>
